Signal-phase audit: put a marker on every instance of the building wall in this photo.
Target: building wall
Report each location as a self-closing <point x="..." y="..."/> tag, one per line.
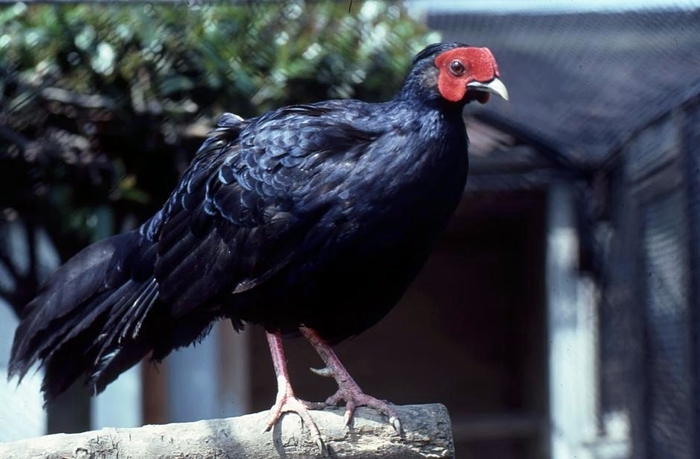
<point x="691" y="151"/>
<point x="649" y="347"/>
<point x="21" y="407"/>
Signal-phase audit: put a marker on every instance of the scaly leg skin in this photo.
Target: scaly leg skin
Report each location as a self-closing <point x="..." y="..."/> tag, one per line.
<point x="286" y="401"/>
<point x="348" y="390"/>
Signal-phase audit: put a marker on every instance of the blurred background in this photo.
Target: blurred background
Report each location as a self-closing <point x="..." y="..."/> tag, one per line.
<point x="558" y="317"/>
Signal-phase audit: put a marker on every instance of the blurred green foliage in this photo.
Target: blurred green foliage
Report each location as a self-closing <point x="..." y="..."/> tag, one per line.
<point x="103" y="105"/>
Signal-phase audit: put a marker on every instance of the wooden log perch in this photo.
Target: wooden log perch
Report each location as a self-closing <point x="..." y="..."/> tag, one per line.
<point x="427" y="434"/>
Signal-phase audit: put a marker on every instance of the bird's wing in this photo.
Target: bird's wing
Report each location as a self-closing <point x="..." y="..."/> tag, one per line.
<point x="248" y="201"/>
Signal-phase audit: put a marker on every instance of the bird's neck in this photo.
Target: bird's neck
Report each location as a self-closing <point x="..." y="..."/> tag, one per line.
<point x="418" y="92"/>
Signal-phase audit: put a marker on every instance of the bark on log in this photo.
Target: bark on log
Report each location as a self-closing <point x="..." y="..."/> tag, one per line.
<point x="427" y="434"/>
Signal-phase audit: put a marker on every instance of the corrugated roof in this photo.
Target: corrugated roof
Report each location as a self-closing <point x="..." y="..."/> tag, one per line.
<point x="582" y="83"/>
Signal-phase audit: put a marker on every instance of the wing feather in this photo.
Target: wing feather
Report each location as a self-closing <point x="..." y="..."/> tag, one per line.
<point x="243" y="208"/>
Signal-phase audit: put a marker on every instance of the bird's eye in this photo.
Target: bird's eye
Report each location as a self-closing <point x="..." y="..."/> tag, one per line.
<point x="457" y="68"/>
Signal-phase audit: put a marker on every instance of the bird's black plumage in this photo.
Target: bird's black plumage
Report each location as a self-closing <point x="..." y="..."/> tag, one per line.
<point x="317" y="215"/>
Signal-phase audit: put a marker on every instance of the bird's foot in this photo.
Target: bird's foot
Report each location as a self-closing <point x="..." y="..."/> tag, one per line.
<point x="286" y="402"/>
<point x="350" y="393"/>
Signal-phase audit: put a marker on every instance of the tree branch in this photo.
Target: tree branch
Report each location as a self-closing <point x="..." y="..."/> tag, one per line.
<point x="427" y="433"/>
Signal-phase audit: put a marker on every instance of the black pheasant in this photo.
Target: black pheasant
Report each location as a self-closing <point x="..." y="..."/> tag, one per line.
<point x="311" y="219"/>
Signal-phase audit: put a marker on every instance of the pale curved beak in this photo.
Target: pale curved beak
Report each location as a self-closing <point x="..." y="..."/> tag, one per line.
<point x="494" y="86"/>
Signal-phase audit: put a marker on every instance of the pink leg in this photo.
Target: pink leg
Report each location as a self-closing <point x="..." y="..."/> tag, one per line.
<point x="348" y="390"/>
<point x="286" y="400"/>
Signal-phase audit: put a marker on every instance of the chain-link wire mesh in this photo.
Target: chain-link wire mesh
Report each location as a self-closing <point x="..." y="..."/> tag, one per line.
<point x="584" y="82"/>
<point x="670" y="379"/>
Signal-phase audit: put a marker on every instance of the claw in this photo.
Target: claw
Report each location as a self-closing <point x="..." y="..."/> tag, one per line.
<point x="348" y="390"/>
<point x="325" y="372"/>
<point x="291" y="404"/>
<point x="321" y="447"/>
<point x="349" y="412"/>
<point x="347" y="418"/>
<point x="396" y="424"/>
<point x="286" y="401"/>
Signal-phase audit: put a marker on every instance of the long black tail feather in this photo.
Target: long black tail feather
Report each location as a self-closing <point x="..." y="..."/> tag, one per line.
<point x="88" y="317"/>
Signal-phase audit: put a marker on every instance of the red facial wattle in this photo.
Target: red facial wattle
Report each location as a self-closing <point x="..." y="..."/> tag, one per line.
<point x="480" y="66"/>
